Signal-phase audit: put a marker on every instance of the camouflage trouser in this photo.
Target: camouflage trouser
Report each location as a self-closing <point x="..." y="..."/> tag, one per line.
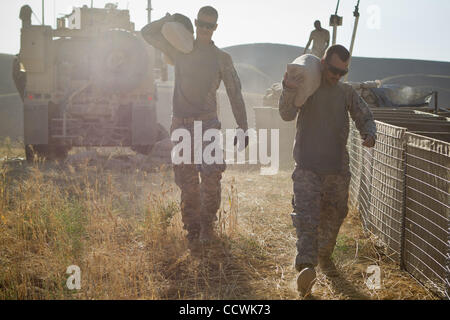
<point x="199" y="184"/>
<point x="320" y="207"/>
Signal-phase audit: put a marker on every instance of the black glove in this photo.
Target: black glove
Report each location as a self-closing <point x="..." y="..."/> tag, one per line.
<point x="246" y="140"/>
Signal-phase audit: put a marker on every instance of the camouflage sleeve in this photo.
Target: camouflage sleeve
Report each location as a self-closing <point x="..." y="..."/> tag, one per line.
<point x="152" y="34"/>
<point x="360" y="113"/>
<point x="288" y="111"/>
<point x="233" y="87"/>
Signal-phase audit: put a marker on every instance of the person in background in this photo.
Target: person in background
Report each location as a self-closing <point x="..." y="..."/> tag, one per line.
<point x="320" y="38"/>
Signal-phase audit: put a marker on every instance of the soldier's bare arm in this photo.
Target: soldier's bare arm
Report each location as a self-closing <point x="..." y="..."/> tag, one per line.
<point x="233" y="87"/>
<point x="327" y="41"/>
<point x="152" y="34"/>
<point x="288" y="111"/>
<point x="307" y="45"/>
<point x="362" y="116"/>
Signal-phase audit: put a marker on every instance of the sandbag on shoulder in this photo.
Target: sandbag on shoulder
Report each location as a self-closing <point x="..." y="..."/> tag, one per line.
<point x="307" y="67"/>
<point x="179" y="33"/>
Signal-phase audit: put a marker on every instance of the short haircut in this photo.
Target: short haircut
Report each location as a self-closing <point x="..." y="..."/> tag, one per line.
<point x="209" y="11"/>
<point x="317" y="23"/>
<point x="340" y="50"/>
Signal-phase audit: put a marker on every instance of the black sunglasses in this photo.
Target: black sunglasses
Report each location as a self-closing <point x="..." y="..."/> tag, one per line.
<point x="336" y="71"/>
<point x="203" y="24"/>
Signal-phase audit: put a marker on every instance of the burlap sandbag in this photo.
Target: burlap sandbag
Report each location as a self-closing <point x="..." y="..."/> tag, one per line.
<point x="307" y="68"/>
<point x="178" y="36"/>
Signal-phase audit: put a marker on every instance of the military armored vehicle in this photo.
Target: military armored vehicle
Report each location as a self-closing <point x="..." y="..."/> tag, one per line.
<point x="89" y="82"/>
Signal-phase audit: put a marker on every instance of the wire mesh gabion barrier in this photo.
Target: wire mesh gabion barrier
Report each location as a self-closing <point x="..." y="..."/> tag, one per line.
<point x="401" y="188"/>
<point x="427" y="210"/>
<point x="380" y="195"/>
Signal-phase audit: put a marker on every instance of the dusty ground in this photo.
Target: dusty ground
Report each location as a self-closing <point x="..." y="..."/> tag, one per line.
<point x="264" y="213"/>
<point x="121" y="225"/>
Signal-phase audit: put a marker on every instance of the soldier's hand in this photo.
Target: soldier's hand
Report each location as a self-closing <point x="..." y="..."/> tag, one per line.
<point x="246" y="140"/>
<point x="369" y="141"/>
<point x="292" y="83"/>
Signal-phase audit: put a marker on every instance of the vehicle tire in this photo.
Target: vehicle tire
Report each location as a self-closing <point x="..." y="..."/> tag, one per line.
<point x="162" y="133"/>
<point x="147" y="149"/>
<point x="59" y="152"/>
<point x="49" y="152"/>
<point x="142" y="149"/>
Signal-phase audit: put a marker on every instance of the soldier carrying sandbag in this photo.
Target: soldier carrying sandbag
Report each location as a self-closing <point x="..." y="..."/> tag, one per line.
<point x="199" y="71"/>
<point x="322" y="175"/>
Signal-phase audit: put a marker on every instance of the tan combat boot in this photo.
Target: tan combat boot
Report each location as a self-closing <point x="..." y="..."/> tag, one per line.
<point x="207" y="233"/>
<point x="327" y="267"/>
<point x="305" y="281"/>
<point x="192" y="235"/>
<point x="193" y="232"/>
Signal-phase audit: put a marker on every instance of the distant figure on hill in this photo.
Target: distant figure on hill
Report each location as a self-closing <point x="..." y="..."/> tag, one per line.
<point x="320" y="38"/>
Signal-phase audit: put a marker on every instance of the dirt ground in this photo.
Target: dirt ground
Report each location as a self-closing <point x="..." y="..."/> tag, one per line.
<point x="121" y="225"/>
<point x="265" y="207"/>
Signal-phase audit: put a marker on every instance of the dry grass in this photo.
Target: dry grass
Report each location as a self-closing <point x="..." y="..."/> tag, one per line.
<point x="122" y="227"/>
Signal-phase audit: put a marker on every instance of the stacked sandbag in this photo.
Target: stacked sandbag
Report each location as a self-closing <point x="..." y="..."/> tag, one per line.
<point x="364" y="90"/>
<point x="272" y="96"/>
<point x="365" y="85"/>
<point x="307" y="68"/>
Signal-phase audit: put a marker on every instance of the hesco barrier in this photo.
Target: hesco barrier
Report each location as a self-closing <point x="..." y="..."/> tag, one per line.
<point x="378" y="185"/>
<point x="427" y="209"/>
<point x="401" y="188"/>
<point x="416" y="121"/>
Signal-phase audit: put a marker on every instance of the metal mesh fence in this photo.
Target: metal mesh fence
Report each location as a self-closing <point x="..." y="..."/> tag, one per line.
<point x="423" y="123"/>
<point x="377" y="185"/>
<point x="427" y="210"/>
<point x="401" y="188"/>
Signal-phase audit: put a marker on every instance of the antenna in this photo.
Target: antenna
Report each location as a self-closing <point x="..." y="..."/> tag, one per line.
<point x="42" y="12"/>
<point x="92" y="3"/>
<point x="337" y="7"/>
<point x="149" y="11"/>
<point x="355" y="27"/>
<point x="35" y="15"/>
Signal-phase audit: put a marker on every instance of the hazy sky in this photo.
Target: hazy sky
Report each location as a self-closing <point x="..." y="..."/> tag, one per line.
<point x="413" y="29"/>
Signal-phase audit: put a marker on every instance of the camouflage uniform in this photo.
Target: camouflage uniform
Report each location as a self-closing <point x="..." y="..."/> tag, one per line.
<point x="200" y="198"/>
<point x="321" y="177"/>
<point x="197" y="77"/>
